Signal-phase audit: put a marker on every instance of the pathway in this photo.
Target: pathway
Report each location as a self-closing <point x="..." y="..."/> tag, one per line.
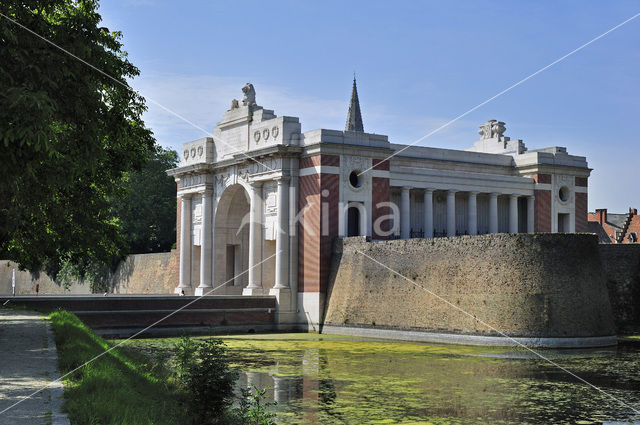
<point x="28" y="362"/>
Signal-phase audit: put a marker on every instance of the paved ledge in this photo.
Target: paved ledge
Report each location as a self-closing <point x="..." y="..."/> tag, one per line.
<point x="28" y="363"/>
<point x="577" y="342"/>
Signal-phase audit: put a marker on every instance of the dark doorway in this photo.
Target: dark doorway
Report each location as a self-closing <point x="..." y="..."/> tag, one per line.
<point x="563" y="223"/>
<point x="353" y="221"/>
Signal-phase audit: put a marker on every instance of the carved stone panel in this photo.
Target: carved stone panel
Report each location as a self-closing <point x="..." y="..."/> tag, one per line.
<point x="196" y="219"/>
<point x="270" y="196"/>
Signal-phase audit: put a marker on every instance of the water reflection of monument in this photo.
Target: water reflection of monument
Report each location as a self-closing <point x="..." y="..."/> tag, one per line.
<point x="353" y="381"/>
<point x="280" y="389"/>
<point x="310" y="392"/>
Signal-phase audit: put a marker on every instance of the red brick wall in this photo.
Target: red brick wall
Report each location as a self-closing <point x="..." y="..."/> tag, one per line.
<point x="542" y="221"/>
<point x="581" y="181"/>
<point x="634" y="227"/>
<point x="330" y="183"/>
<point x="542" y="178"/>
<point x="314" y="242"/>
<point x="581" y="212"/>
<point x="332" y="160"/>
<point x="317" y="160"/>
<point x="380" y="193"/>
<point x="308" y="233"/>
<point x="378" y="164"/>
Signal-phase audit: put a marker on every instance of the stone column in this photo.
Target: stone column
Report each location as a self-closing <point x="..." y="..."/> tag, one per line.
<point x="206" y="246"/>
<point x="185" y="243"/>
<point x="282" y="289"/>
<point x="282" y="237"/>
<point x="531" y="214"/>
<point x="293" y="240"/>
<point x="473" y="213"/>
<point x="493" y="213"/>
<point x="513" y="214"/>
<point x="405" y="214"/>
<point x="255" y="241"/>
<point x="428" y="213"/>
<point x="451" y="212"/>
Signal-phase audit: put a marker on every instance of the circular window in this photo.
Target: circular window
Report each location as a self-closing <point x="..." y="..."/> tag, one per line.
<point x="354" y="179"/>
<point x="563" y="193"/>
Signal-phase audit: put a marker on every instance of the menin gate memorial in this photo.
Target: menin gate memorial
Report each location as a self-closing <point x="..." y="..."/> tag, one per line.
<point x="260" y="203"/>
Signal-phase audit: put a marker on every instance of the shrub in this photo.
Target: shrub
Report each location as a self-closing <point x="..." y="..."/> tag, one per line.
<point x="203" y="371"/>
<point x="209" y="381"/>
<point x="257" y="410"/>
<point x="185" y="351"/>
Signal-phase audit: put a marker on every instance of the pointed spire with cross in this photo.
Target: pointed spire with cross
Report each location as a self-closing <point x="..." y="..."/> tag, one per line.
<point x="354" y="118"/>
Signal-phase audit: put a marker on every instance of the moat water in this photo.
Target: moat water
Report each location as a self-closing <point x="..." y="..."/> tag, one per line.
<point x="318" y="379"/>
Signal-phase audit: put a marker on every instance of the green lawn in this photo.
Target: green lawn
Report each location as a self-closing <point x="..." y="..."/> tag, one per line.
<point x="118" y="388"/>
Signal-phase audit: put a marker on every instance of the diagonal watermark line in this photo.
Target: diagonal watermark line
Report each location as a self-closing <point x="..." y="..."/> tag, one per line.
<point x="482" y="322"/>
<point x="135" y="335"/>
<point x="131" y="89"/>
<point x="544" y="68"/>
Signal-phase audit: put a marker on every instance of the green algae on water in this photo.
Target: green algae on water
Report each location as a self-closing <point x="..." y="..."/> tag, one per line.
<point x="333" y="379"/>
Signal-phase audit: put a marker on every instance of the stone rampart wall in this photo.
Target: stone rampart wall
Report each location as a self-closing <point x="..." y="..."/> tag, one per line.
<point x="138" y="274"/>
<point x="147" y="274"/>
<point x="541" y="285"/>
<point x="621" y="268"/>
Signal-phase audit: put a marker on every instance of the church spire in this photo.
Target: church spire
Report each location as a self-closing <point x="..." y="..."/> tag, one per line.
<point x="354" y="118"/>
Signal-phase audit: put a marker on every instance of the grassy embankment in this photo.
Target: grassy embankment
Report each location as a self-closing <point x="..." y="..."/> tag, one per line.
<point x="118" y="388"/>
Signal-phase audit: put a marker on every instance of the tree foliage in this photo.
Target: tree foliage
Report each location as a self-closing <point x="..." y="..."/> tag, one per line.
<point x="68" y="134"/>
<point x="147" y="213"/>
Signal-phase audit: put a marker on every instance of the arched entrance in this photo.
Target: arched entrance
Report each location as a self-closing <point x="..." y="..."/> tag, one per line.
<point x="231" y="245"/>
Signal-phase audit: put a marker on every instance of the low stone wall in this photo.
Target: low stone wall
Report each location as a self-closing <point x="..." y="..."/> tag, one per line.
<point x="621" y="268"/>
<point x="26" y="282"/>
<point x="536" y="286"/>
<point x="138" y="274"/>
<point x="167" y="315"/>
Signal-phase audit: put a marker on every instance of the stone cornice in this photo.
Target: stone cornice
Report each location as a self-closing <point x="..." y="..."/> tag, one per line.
<point x="554" y="169"/>
<point x="253" y="157"/>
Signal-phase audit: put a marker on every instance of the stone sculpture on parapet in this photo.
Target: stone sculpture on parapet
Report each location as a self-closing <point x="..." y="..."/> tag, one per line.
<point x="492" y="129"/>
<point x="248" y="97"/>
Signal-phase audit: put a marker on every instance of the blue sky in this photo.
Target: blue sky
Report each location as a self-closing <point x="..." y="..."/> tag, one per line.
<point x="418" y="64"/>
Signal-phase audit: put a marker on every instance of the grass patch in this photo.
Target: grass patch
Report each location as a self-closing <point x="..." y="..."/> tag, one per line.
<point x="118" y="388"/>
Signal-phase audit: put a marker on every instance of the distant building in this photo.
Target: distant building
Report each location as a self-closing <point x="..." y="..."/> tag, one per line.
<point x="615" y="228"/>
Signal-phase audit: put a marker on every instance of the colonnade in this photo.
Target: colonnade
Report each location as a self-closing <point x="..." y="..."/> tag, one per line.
<point x="472" y="212"/>
<point x="286" y="240"/>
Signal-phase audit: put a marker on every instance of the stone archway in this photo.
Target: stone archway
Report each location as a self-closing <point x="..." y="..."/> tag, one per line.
<point x="231" y="244"/>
